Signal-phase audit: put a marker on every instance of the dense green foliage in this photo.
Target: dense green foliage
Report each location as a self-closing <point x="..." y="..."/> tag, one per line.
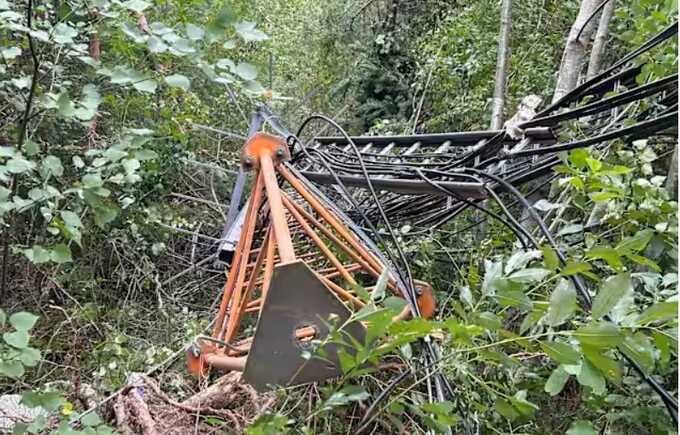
<point x="112" y="192"/>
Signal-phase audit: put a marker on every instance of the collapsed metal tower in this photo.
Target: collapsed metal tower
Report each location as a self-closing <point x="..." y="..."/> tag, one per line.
<point x="320" y="208"/>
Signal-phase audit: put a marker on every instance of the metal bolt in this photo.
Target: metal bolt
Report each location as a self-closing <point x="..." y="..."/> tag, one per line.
<point x="248" y="162"/>
<point x="419" y="290"/>
<point x="280" y="153"/>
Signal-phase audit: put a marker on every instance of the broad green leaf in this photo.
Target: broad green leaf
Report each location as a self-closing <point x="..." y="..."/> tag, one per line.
<point x="562" y="353"/>
<point x="50" y="400"/>
<point x="178" y="81"/>
<point x="29" y="356"/>
<point x="513" y="298"/>
<point x="248" y="32"/>
<point x="555" y="383"/>
<point x="23" y="321"/>
<point x="639" y="348"/>
<point x="505" y="409"/>
<point x="61" y="253"/>
<point x="19" y="165"/>
<point x="520" y="259"/>
<point x="246" y="71"/>
<point x="591" y="377"/>
<point x="610" y="255"/>
<point x="572" y="268"/>
<point x="550" y="258"/>
<point x="51" y="166"/>
<point x="91" y="419"/>
<point x="599" y="334"/>
<point x="349" y="393"/>
<point x="611" y="291"/>
<point x="492" y="272"/>
<point x="581" y="427"/>
<point x="570" y="229"/>
<point x="156" y="45"/>
<point x="63" y="33"/>
<point x="661" y="311"/>
<point x="147" y="85"/>
<point x="380" y="286"/>
<point x="194" y="32"/>
<point x="136" y="5"/>
<point x="10" y="52"/>
<point x="606" y="365"/>
<point x="636" y="243"/>
<point x="31" y="148"/>
<point x="529" y="275"/>
<point x="562" y="303"/>
<point x="37" y="254"/>
<point x="18" y="338"/>
<point x="65" y="105"/>
<point x="12" y="369"/>
<point x="520" y="402"/>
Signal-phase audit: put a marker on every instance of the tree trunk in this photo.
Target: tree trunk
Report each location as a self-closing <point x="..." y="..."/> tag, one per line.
<point x="503" y="58"/>
<point x="595" y="63"/>
<point x="575" y="50"/>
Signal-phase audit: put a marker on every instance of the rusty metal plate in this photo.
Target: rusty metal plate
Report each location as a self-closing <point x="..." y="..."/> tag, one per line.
<point x="296" y="299"/>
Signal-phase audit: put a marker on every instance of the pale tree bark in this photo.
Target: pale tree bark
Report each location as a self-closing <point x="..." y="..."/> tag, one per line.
<point x="575" y="49"/>
<point x="503" y="58"/>
<point x="600" y="42"/>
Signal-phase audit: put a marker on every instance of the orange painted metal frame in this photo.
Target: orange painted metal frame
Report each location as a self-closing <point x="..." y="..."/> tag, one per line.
<point x="279" y="229"/>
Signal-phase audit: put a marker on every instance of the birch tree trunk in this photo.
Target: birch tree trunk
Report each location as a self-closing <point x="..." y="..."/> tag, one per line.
<point x="503" y="58"/>
<point x="575" y="49"/>
<point x="600" y="42"/>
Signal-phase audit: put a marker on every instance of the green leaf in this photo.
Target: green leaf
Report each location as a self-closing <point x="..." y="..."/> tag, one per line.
<point x="31" y="148"/>
<point x="591" y="377"/>
<point x="556" y="382"/>
<point x="520" y="259"/>
<point x="606" y="365"/>
<point x="610" y="255"/>
<point x="505" y="409"/>
<point x="51" y="165"/>
<point x="560" y="352"/>
<point x="194" y="32"/>
<point x="562" y="304"/>
<point x="636" y="243"/>
<point x="599" y="334"/>
<point x="91" y="419"/>
<point x="10" y="52"/>
<point x="23" y="321"/>
<point x="147" y="85"/>
<point x="12" y="369"/>
<point x="639" y="348"/>
<point x="37" y="254"/>
<point x="18" y="338"/>
<point x="178" y="81"/>
<point x="248" y="32"/>
<point x="513" y="298"/>
<point x="570" y="229"/>
<point x="611" y="291"/>
<point x="349" y="393"/>
<point x="63" y="33"/>
<point x="65" y="106"/>
<point x="581" y="427"/>
<point x="19" y="165"/>
<point x="246" y="71"/>
<point x="136" y="5"/>
<point x="380" y="286"/>
<point x="550" y="258"/>
<point x="529" y="275"/>
<point x="61" y="253"/>
<point x="661" y="311"/>
<point x="572" y="268"/>
<point x="493" y="271"/>
<point x="29" y="356"/>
